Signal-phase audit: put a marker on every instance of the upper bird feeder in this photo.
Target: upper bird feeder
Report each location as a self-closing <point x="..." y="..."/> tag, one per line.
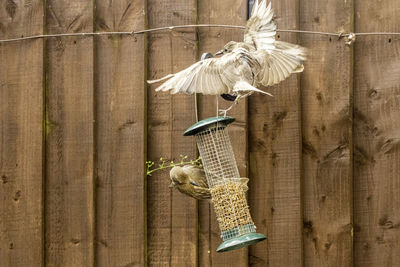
<point x="227" y="192"/>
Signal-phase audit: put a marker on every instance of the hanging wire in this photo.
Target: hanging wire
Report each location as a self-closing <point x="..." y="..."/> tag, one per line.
<point x="187" y="26"/>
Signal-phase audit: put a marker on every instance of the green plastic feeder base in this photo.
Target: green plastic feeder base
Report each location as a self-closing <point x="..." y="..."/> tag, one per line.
<point x="241" y="241"/>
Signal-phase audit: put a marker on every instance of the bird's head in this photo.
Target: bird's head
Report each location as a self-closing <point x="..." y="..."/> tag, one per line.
<point x="178" y="176"/>
<point x="228" y="48"/>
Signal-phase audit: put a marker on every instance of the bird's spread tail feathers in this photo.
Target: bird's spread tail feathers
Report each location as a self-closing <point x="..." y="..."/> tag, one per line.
<point x="161" y="79"/>
<point x="244" y="88"/>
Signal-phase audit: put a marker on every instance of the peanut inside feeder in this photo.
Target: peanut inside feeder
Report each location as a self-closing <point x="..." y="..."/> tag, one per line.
<point x="227" y="191"/>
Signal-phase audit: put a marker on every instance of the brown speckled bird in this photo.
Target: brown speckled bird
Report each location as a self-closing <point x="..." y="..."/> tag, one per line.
<point x="191" y="180"/>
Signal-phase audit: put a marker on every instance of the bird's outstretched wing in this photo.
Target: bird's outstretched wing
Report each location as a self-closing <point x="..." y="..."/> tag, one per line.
<point x="260" y="28"/>
<point x="212" y="76"/>
<point x="278" y="59"/>
<point x="280" y="63"/>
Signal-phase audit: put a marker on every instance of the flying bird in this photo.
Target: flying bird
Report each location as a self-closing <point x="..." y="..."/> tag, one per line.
<point x="243" y="66"/>
<point x="191" y="180"/>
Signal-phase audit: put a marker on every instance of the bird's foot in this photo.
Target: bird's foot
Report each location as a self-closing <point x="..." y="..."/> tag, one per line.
<point x="223" y="111"/>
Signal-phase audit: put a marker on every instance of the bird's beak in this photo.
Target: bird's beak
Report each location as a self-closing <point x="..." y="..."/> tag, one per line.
<point x="172" y="185"/>
<point x="220" y="52"/>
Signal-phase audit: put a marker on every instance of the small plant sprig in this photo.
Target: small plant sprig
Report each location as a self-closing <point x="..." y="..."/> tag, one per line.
<point x="164" y="164"/>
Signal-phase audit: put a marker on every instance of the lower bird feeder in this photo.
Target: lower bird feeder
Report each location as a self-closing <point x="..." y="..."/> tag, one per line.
<point x="227" y="192"/>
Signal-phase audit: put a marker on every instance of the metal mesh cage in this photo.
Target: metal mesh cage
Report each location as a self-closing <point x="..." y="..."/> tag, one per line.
<point x="217" y="155"/>
<point x="227" y="191"/>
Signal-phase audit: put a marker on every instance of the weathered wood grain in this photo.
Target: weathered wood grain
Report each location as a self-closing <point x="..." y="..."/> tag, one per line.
<point x="69" y="207"/>
<point x="212" y="40"/>
<point x="73" y="98"/>
<point x="275" y="161"/>
<point x="120" y="63"/>
<point x="377" y="136"/>
<point x="171" y="216"/>
<point x="21" y="135"/>
<point x="326" y="87"/>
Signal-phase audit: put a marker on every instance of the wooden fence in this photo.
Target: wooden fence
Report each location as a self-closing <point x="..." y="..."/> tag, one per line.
<point x="77" y="123"/>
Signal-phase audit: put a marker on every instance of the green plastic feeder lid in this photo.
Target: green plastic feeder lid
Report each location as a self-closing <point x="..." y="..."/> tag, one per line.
<point x="241" y="241"/>
<point x="204" y="124"/>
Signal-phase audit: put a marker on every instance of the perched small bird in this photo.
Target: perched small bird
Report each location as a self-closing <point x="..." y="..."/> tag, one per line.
<point x="191" y="180"/>
<point x="259" y="60"/>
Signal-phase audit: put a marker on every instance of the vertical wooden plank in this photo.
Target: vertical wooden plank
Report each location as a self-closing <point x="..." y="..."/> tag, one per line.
<point x="172" y="217"/>
<point x="212" y="40"/>
<point x="69" y="129"/>
<point x="377" y="135"/>
<point x="326" y="87"/>
<point x="120" y="133"/>
<point x="275" y="161"/>
<point x="21" y="135"/>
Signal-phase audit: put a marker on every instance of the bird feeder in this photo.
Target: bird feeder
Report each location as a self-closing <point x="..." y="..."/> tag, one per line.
<point x="227" y="192"/>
